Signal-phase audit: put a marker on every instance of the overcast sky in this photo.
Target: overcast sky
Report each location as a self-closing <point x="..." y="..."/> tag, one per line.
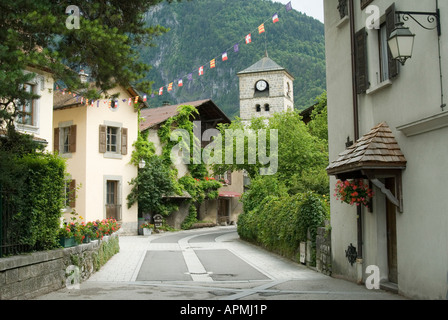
<point x="313" y="8"/>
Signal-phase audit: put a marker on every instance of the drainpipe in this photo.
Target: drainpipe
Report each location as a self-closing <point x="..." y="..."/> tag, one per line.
<point x="359" y="259"/>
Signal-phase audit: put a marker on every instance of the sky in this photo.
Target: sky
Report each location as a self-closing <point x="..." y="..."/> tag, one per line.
<point x="312" y="8"/>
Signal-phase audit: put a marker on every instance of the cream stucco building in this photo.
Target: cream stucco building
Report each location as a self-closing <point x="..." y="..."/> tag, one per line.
<point x="36" y="117"/>
<point x="96" y="140"/>
<point x="388" y="125"/>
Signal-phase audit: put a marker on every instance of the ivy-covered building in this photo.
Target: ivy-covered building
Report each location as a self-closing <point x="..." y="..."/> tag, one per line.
<point x="225" y="206"/>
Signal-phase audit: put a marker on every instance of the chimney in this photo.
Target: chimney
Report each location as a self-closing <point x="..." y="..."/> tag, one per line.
<point x="83" y="76"/>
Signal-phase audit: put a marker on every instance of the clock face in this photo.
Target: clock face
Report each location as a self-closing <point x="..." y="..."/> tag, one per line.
<point x="261" y="85"/>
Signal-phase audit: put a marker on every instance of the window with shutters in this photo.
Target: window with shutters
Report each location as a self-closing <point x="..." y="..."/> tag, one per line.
<point x="225" y="178"/>
<point x="65" y="139"/>
<point x="113" y="141"/>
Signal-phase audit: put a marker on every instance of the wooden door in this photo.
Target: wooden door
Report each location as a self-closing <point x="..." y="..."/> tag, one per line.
<point x="113" y="209"/>
<point x="223" y="211"/>
<point x="391" y="221"/>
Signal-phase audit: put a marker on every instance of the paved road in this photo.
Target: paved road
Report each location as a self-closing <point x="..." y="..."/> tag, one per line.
<point x="208" y="264"/>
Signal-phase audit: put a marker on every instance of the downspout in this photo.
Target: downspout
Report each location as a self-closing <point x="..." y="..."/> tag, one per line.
<point x="359" y="259"/>
<point x="439" y="31"/>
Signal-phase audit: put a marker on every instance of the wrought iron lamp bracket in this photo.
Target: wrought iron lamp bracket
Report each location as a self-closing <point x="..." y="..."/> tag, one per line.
<point x="431" y="17"/>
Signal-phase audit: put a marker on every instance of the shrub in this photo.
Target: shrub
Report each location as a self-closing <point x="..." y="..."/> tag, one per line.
<point x="34" y="183"/>
<point x="280" y="223"/>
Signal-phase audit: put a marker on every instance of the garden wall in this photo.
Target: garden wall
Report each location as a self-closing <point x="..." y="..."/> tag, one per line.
<point x="29" y="276"/>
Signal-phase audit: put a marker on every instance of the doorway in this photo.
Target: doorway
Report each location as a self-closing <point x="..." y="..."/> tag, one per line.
<point x="391" y="225"/>
<point x="224" y="211"/>
<point x="113" y="208"/>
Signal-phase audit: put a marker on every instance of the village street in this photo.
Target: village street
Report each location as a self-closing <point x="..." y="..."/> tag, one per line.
<point x="208" y="264"/>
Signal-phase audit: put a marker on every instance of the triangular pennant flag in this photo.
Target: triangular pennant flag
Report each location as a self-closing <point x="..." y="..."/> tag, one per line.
<point x="161" y="91"/>
<point x="212" y="64"/>
<point x="180" y="83"/>
<point x="136" y="100"/>
<point x="190" y="76"/>
<point x="170" y="87"/>
<point x="236" y="47"/>
<point x="224" y="56"/>
<point x="145" y="98"/>
<point x="261" y="28"/>
<point x="201" y="70"/>
<point x="275" y="18"/>
<point x="288" y="6"/>
<point x="129" y="101"/>
<point x="248" y="38"/>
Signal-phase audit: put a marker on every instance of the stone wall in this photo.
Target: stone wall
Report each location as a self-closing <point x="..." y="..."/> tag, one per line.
<point x="323" y="251"/>
<point x="29" y="276"/>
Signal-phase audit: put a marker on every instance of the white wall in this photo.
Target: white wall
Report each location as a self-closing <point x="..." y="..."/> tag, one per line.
<point x="414" y="95"/>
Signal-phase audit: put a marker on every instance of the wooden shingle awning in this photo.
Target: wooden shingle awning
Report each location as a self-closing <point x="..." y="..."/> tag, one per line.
<point x="375" y="155"/>
<point x="377" y="150"/>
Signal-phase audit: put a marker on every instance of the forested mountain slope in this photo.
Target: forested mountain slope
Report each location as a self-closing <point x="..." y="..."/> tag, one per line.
<point x="201" y="30"/>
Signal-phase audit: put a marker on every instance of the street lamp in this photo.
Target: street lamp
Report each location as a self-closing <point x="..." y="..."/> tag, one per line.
<point x="401" y="43"/>
<point x="401" y="40"/>
<point x="142" y="164"/>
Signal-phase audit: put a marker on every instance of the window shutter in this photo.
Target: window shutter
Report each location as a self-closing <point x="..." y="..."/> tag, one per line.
<point x="391" y="19"/>
<point x="362" y="81"/>
<point x="56" y="140"/>
<point x="103" y="138"/>
<point x="72" y="195"/>
<point x="229" y="177"/>
<point x="72" y="139"/>
<point x="124" y="141"/>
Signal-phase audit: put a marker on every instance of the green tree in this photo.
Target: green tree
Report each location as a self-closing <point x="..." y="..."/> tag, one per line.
<point x="151" y="188"/>
<point x="40" y="34"/>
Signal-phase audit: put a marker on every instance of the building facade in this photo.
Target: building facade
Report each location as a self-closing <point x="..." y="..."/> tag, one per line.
<point x="388" y="125"/>
<point x="225" y="209"/>
<point x="35" y="117"/>
<point x="97" y="143"/>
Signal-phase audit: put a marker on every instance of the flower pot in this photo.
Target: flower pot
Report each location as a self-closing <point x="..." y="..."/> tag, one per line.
<point x="147" y="232"/>
<point x="67" y="242"/>
<point x="87" y="239"/>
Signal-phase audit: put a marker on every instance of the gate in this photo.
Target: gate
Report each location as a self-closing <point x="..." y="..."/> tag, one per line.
<point x="10" y="243"/>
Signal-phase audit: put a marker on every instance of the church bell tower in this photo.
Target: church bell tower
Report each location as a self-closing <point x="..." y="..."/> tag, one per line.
<point x="265" y="88"/>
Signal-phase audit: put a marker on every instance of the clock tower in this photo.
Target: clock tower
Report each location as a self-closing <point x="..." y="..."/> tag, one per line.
<point x="265" y="88"/>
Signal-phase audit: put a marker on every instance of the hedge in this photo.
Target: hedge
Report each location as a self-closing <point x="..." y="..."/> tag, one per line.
<point x="280" y="223"/>
<point x="33" y="185"/>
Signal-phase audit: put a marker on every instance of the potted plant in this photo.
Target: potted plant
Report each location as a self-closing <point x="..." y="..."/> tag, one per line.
<point x="66" y="237"/>
<point x="147" y="228"/>
<point x="354" y="192"/>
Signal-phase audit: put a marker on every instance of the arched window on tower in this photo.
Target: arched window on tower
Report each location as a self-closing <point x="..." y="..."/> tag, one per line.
<point x="267" y="108"/>
<point x="258" y="108"/>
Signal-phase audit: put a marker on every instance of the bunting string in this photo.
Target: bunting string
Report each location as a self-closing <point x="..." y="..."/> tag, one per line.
<point x="224" y="55"/>
<point x="212" y="63"/>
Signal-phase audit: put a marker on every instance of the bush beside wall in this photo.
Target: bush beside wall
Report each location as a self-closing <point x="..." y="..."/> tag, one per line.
<point x="280" y="223"/>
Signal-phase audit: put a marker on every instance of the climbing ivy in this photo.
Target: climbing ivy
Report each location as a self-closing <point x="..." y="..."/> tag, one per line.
<point x="159" y="178"/>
